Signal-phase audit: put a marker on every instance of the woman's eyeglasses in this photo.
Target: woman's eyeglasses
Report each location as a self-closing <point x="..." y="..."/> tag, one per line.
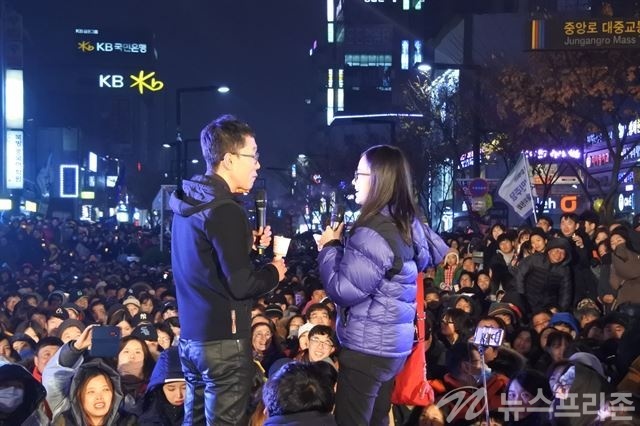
<point x="356" y="174"/>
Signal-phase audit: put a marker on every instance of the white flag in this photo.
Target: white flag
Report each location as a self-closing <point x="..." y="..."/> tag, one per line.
<point x="516" y="189"/>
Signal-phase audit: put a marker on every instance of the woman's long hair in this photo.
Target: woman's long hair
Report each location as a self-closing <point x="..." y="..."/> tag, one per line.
<point x="390" y="186"/>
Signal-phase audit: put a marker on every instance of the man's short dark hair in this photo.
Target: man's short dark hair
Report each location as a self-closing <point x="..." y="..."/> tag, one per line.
<point x="546" y="219"/>
<point x="225" y="134"/>
<point x="317" y="307"/>
<point x="323" y="330"/>
<point x="570" y="216"/>
<point x="299" y="387"/>
<point x="48" y="341"/>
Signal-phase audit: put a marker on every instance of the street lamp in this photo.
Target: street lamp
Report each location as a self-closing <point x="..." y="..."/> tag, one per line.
<point x="181" y="146"/>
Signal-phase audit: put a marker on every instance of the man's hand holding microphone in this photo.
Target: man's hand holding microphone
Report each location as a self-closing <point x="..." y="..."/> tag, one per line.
<point x="263" y="234"/>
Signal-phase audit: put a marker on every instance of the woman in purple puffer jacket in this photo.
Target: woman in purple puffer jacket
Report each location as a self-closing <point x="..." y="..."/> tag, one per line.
<point x="372" y="280"/>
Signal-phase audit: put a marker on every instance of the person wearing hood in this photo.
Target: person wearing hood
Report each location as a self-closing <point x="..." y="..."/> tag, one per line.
<point x="544" y="279"/>
<point x="625" y="267"/>
<point x="83" y="393"/>
<point x="215" y="279"/>
<point x="21" y="396"/>
<point x="163" y="403"/>
<point x="448" y="271"/>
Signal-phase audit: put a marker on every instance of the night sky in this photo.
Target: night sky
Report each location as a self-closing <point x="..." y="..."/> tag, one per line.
<point x="258" y="48"/>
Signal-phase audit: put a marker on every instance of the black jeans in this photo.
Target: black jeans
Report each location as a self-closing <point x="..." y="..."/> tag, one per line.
<point x="364" y="390"/>
<point x="219" y="375"/>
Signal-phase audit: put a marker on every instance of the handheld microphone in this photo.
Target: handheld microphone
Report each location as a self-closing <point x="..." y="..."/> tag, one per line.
<point x="337" y="216"/>
<point x="261" y="213"/>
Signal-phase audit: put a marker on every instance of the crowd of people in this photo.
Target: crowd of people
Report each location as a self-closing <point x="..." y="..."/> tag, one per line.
<point x="215" y="335"/>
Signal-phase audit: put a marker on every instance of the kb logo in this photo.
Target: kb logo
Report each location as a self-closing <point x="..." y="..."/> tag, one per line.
<point x="142" y="81"/>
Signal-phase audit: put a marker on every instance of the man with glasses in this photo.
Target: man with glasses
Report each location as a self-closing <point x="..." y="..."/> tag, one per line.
<point x="215" y="280"/>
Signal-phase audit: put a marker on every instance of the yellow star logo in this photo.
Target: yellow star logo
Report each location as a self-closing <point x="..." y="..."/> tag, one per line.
<point x="85" y="46"/>
<point x="146" y="81"/>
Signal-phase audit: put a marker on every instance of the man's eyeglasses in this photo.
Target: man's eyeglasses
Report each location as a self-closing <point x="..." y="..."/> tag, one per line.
<point x="321" y="342"/>
<point x="255" y="156"/>
<point x="356" y="174"/>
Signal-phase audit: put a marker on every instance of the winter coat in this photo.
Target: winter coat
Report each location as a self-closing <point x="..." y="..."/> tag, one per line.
<point x="155" y="408"/>
<point x="62" y="384"/>
<point x="625" y="275"/>
<point x="31" y="412"/>
<point x="210" y="255"/>
<point x="374" y="286"/>
<point x="543" y="283"/>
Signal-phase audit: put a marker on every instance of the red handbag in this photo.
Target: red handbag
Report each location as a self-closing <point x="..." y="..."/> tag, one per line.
<point x="411" y="385"/>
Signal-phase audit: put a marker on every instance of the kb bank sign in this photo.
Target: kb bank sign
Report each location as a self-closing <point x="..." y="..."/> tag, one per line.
<point x="143" y="81"/>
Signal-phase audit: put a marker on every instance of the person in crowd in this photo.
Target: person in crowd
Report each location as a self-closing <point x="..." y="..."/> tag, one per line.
<point x="545" y="278"/>
<point x="134" y="364"/>
<point x="98" y="312"/>
<point x="266" y="345"/>
<point x="504" y="262"/>
<point x="575" y="386"/>
<point x="528" y="399"/>
<point x="557" y="344"/>
<point x="292" y="343"/>
<point x="448" y="272"/>
<point x="22" y="396"/>
<point x="538" y="239"/>
<point x="625" y="267"/>
<point x="45" y="349"/>
<point x="322" y="346"/>
<point x="165" y="335"/>
<point x="300" y="394"/>
<point x="55" y="318"/>
<point x="372" y="280"/>
<point x="585" y="282"/>
<point x="566" y="322"/>
<point x="132" y="304"/>
<point x="526" y="342"/>
<point x="83" y="393"/>
<point x="466" y="281"/>
<point x="466" y="373"/>
<point x="546" y="224"/>
<point x="319" y="313"/>
<point x="491" y="244"/>
<point x="215" y="280"/>
<point x="540" y="320"/>
<point x="70" y="330"/>
<point x="163" y="402"/>
<point x="303" y="336"/>
<point x="123" y="320"/>
<point x="589" y="222"/>
<point x="455" y="326"/>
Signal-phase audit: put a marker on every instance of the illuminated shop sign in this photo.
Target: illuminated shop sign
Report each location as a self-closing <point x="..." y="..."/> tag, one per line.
<point x="86" y="46"/>
<point x="580" y="34"/>
<point x="602" y="157"/>
<point x="555" y="154"/>
<point x="626" y="202"/>
<point x="143" y="81"/>
<point x="14" y="178"/>
<point x="69" y="181"/>
<point x="603" y="180"/>
<point x="632" y="129"/>
<point x="564" y="204"/>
